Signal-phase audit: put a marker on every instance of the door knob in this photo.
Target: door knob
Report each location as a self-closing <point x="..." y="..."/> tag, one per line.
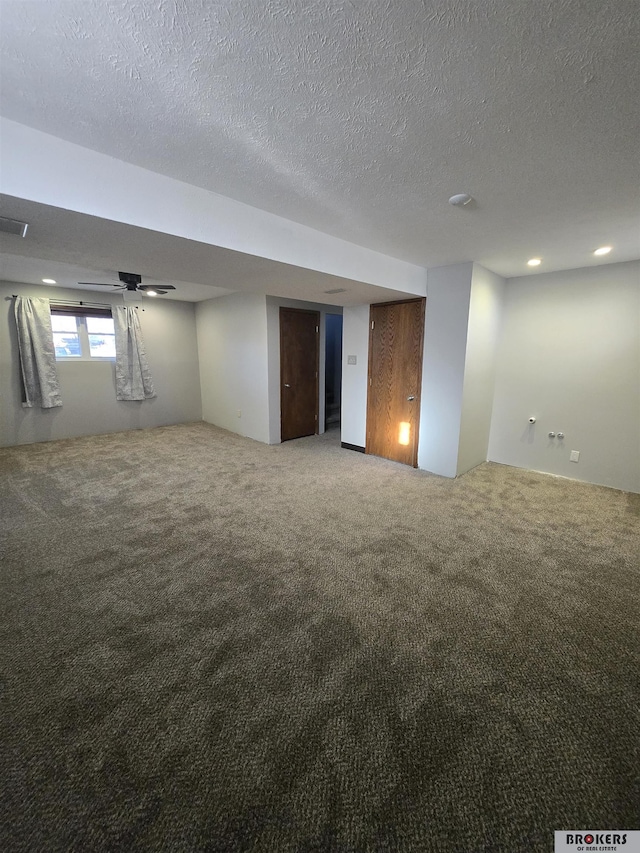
<point x="286" y="385"/>
<point x="411" y="397"/>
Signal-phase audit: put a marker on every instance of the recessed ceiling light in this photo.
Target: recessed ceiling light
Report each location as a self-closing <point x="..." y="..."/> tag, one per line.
<point x="603" y="250"/>
<point x="49" y="281"/>
<point x="151" y="292"/>
<point x="534" y="262"/>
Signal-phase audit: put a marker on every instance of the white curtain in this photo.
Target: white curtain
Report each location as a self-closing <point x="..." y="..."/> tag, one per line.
<point x="133" y="377"/>
<point x="38" y="370"/>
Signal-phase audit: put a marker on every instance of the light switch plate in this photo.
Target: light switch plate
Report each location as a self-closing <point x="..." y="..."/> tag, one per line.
<point x="574" y="456"/>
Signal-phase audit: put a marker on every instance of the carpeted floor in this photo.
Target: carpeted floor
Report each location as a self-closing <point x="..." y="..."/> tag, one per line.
<point x="209" y="644"/>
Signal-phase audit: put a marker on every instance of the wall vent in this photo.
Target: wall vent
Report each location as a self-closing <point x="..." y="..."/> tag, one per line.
<point x="13" y="226"/>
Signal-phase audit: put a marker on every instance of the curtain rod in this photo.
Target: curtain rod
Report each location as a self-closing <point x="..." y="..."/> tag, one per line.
<point x="81" y="302"/>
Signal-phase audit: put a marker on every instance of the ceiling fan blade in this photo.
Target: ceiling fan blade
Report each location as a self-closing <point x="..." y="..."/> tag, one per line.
<point x="98" y="284"/>
<point x="157" y="289"/>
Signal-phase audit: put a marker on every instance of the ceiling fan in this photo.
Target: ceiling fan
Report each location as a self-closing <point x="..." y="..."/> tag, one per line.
<point x="132" y="282"/>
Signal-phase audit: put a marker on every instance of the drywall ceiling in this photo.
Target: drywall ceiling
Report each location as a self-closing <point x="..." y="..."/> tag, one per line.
<point x="360" y="119"/>
<point x="71" y="247"/>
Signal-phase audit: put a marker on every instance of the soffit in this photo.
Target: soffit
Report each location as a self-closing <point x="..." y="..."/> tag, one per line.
<point x="71" y="247"/>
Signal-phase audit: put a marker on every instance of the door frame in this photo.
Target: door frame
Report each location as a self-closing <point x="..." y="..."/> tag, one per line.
<point x="316" y="314"/>
<point x="423" y="301"/>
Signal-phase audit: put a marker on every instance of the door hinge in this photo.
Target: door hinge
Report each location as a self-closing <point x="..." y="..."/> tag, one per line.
<point x="370" y="381"/>
<point x="373" y="322"/>
<point x="317" y="329"/>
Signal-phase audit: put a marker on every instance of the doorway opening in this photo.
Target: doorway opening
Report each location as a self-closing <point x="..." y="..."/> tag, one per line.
<point x="333" y="371"/>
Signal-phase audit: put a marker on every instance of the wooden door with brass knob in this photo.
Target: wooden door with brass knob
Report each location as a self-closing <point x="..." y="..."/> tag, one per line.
<point x="396" y="334"/>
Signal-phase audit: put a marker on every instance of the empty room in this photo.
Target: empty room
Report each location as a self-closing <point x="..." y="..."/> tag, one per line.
<point x="319" y="426"/>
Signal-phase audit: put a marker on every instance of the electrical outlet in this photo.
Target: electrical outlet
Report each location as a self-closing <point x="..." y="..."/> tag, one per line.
<point x="352" y="359"/>
<point x="574" y="456"/>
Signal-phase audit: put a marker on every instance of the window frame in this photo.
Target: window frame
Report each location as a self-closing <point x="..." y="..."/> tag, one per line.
<point x="81" y="312"/>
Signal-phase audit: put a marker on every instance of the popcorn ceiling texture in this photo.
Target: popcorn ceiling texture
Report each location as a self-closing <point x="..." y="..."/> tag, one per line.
<point x="358" y="119"/>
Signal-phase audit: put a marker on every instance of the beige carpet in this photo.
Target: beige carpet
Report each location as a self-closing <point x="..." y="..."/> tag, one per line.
<point x="208" y="644"/>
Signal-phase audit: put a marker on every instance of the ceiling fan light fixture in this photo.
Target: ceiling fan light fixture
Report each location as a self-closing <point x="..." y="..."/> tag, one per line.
<point x="151" y="292"/>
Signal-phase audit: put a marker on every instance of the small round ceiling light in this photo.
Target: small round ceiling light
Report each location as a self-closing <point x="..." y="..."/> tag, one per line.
<point x="603" y="250"/>
<point x="534" y="262"/>
<point x="460" y="199"/>
<point x="49" y="281"/>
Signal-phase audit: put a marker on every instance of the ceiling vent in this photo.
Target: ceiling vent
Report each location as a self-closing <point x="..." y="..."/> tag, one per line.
<point x="337" y="290"/>
<point x="13" y="226"/>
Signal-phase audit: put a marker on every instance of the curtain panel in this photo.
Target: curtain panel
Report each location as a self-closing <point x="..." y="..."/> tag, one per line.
<point x="133" y="377"/>
<point x="38" y="370"/>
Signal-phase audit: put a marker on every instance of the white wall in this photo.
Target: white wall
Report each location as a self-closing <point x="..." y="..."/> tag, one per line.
<point x="570" y="356"/>
<point x="232" y="348"/>
<point x="88" y="388"/>
<point x="355" y="341"/>
<point x="485" y="316"/>
<point x="443" y="370"/>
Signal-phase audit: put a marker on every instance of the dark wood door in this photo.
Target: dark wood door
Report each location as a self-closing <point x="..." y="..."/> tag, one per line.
<point x="396" y="332"/>
<point x="299" y="344"/>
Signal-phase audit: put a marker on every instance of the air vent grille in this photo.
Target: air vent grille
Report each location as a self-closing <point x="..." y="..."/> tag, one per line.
<point x="13" y="226"/>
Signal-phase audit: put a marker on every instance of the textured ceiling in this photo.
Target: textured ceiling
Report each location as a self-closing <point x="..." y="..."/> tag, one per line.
<point x="360" y="119"/>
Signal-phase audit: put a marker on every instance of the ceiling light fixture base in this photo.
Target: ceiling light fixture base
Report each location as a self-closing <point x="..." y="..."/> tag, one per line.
<point x="460" y="199"/>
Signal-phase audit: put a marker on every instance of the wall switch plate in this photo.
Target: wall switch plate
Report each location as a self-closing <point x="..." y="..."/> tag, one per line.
<point x="574" y="456"/>
<point x="352" y="359"/>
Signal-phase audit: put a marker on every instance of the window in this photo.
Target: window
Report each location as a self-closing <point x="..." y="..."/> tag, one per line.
<point x="83" y="333"/>
<point x="102" y="339"/>
<point x="65" y="336"/>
